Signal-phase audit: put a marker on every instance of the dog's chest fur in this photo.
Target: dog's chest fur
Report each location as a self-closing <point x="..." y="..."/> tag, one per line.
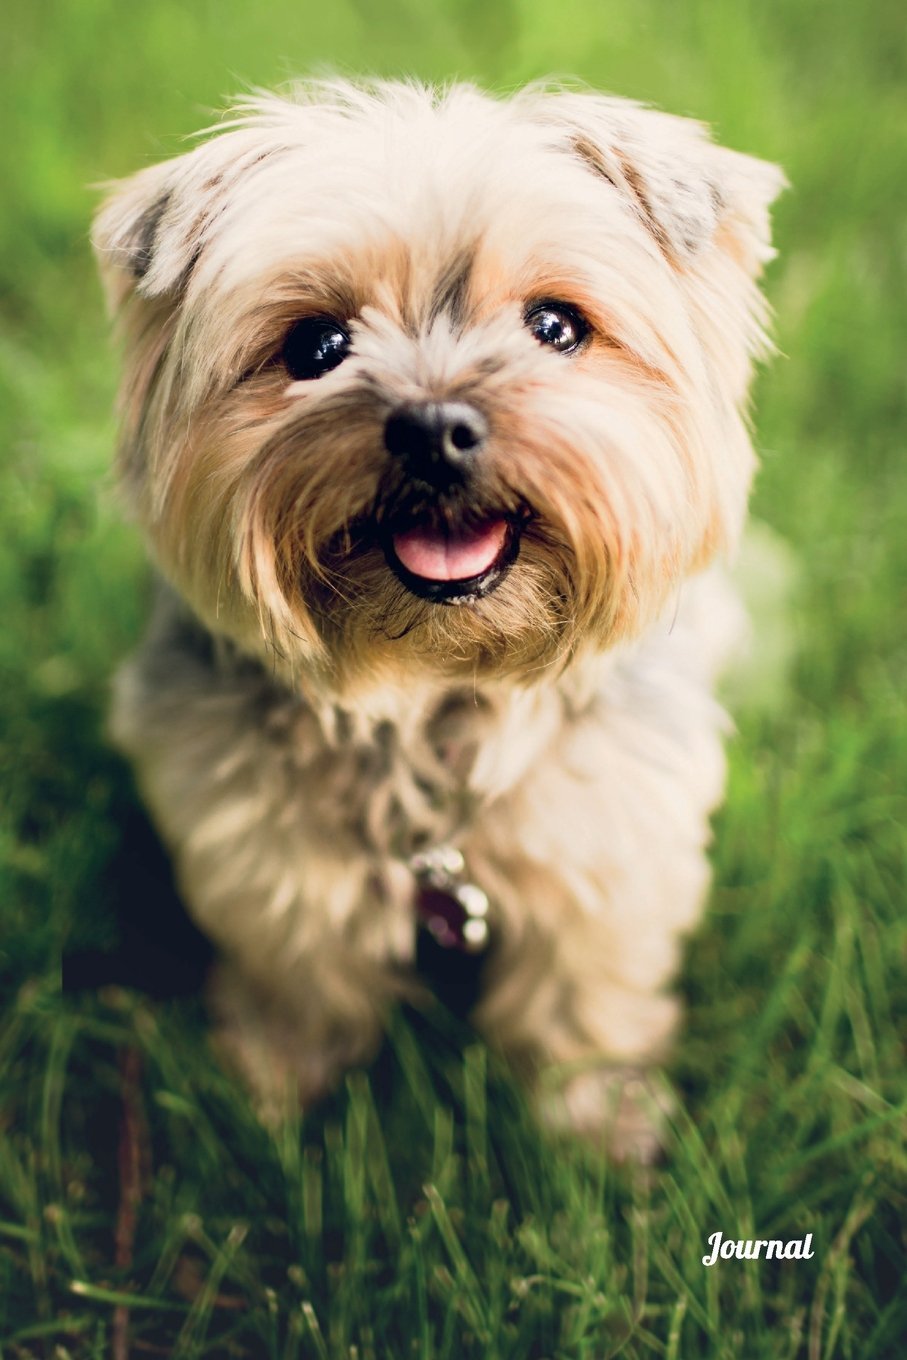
<point x="400" y="769"/>
<point x="408" y="766"/>
<point x="582" y="812"/>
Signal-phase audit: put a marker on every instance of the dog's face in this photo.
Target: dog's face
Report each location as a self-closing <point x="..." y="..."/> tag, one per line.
<point x="420" y="381"/>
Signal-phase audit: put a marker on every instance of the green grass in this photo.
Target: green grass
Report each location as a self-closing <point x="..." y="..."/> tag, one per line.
<point x="420" y="1213"/>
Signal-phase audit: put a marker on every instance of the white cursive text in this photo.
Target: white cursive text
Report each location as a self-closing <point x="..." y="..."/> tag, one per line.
<point x="797" y="1249"/>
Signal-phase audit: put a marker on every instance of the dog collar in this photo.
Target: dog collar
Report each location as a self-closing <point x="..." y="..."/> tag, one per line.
<point x="452" y="910"/>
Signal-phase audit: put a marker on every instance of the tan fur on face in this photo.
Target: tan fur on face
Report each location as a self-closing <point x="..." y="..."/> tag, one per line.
<point x="428" y="223"/>
<point x="300" y="723"/>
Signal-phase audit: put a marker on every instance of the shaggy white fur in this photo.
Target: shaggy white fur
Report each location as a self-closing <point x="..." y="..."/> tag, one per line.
<point x="578" y="275"/>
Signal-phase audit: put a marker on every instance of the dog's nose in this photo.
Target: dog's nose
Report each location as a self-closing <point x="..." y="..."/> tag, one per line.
<point x="436" y="438"/>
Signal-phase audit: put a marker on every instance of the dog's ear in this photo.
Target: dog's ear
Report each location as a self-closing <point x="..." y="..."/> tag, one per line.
<point x="140" y="236"/>
<point x="152" y="227"/>
<point x="687" y="191"/>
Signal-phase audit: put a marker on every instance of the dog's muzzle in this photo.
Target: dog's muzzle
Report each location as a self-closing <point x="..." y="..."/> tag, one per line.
<point x="437" y="545"/>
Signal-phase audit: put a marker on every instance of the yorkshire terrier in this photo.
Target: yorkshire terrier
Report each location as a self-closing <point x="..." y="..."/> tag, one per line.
<point x="434" y="420"/>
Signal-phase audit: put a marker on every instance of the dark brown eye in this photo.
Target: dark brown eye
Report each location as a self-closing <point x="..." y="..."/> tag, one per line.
<point x="554" y="324"/>
<point x="313" y="346"/>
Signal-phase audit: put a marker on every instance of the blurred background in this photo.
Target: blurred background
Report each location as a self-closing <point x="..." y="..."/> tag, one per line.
<point x="95" y="90"/>
<point x="791" y="1064"/>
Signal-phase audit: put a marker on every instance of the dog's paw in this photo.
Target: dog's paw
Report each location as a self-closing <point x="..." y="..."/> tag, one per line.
<point x="287" y="1064"/>
<point x="626" y="1106"/>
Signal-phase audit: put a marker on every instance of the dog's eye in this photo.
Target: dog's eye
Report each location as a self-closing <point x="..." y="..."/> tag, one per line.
<point x="556" y="325"/>
<point x="314" y="346"/>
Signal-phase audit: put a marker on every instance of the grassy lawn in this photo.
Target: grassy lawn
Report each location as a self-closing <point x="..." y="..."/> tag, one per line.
<point x="421" y="1213"/>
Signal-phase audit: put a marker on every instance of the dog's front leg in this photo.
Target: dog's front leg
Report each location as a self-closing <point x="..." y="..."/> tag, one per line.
<point x="578" y="984"/>
<point x="313" y="931"/>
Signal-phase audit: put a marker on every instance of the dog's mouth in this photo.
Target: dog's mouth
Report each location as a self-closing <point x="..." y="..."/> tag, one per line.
<point x="452" y="562"/>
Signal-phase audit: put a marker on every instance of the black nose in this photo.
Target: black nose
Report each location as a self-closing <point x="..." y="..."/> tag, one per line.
<point x="438" y="439"/>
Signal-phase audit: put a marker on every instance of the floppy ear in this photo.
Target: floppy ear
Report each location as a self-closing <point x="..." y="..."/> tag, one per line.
<point x="140" y="239"/>
<point x="152" y="228"/>
<point x="687" y="191"/>
<point x="147" y="236"/>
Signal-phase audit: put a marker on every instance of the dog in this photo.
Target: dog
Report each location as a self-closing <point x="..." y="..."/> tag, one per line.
<point x="434" y="418"/>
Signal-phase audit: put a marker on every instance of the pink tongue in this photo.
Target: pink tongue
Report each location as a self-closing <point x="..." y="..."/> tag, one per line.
<point x="441" y="555"/>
